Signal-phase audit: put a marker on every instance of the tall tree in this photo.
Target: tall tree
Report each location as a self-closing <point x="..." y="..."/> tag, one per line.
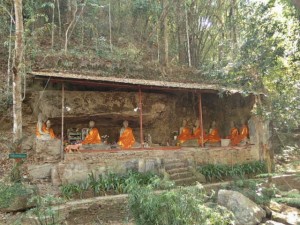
<point x="17" y="72"/>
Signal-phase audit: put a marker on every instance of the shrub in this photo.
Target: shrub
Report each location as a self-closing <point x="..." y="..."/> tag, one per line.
<point x="177" y="206"/>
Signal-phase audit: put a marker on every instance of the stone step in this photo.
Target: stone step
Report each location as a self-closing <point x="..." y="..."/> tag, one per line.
<point x="182" y="175"/>
<point x="186" y="181"/>
<point x="177" y="170"/>
<point x="175" y="165"/>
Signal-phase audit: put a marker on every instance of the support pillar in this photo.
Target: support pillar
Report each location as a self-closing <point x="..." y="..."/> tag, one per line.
<point x="62" y="120"/>
<point x="201" y="119"/>
<point x="141" y="117"/>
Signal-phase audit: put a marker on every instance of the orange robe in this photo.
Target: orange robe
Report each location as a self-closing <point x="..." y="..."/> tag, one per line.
<point x="243" y="135"/>
<point x="214" y="137"/>
<point x="126" y="139"/>
<point x="198" y="135"/>
<point x="93" y="137"/>
<point x="234" y="133"/>
<point x="184" y="135"/>
<point x="45" y="130"/>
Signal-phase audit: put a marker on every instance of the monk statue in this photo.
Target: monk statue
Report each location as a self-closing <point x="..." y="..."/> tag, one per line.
<point x="234" y="133"/>
<point x="197" y="133"/>
<point x="184" y="133"/>
<point x="44" y="130"/>
<point x="243" y="136"/>
<point x="213" y="136"/>
<point x="126" y="139"/>
<point x="93" y="137"/>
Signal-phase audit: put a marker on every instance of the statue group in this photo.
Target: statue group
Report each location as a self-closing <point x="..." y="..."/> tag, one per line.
<point x="236" y="136"/>
<point x="127" y="140"/>
<point x="93" y="137"/>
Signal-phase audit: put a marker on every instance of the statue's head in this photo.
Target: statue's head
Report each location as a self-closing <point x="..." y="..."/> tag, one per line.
<point x="184" y="122"/>
<point x="232" y="124"/>
<point x="91" y="124"/>
<point x="125" y="123"/>
<point x="48" y="123"/>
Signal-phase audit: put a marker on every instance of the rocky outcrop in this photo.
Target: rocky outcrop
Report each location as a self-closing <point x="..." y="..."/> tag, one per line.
<point x="48" y="150"/>
<point x="19" y="201"/>
<point x="40" y="171"/>
<point x="245" y="211"/>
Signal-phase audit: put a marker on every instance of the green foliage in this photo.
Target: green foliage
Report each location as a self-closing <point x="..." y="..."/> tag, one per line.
<point x="220" y="172"/>
<point x="178" y="206"/>
<point x="113" y="183"/>
<point x="293" y="202"/>
<point x="8" y="192"/>
<point x="44" y="209"/>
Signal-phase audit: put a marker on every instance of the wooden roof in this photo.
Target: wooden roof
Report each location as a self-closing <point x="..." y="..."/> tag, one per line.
<point x="150" y="84"/>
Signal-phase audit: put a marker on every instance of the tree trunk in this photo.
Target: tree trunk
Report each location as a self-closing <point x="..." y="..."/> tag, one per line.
<point x="166" y="36"/>
<point x="17" y="86"/>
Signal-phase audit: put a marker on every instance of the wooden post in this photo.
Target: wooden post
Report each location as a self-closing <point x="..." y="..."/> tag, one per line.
<point x="141" y="117"/>
<point x="201" y="119"/>
<point x="62" y="120"/>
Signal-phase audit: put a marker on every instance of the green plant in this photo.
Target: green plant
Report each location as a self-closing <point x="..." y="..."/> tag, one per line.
<point x="220" y="171"/>
<point x="44" y="209"/>
<point x="178" y="206"/>
<point x="69" y="190"/>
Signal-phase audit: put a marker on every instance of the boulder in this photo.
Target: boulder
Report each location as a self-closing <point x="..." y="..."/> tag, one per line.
<point x="18" y="201"/>
<point x="73" y="172"/>
<point x="245" y="211"/>
<point x="40" y="171"/>
<point x="290" y="219"/>
<point x="287" y="215"/>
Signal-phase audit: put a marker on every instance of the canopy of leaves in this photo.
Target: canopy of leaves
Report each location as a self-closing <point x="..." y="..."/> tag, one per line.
<point x="249" y="44"/>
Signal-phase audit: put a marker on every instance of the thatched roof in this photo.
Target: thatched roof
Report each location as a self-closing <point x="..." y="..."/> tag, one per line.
<point x="150" y="84"/>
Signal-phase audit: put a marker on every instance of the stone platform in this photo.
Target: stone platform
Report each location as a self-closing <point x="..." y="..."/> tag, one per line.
<point x="76" y="166"/>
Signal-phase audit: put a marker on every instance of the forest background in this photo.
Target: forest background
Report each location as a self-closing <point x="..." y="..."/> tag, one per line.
<point x="251" y="45"/>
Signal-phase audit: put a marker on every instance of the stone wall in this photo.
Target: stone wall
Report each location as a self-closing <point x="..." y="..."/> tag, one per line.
<point x="77" y="166"/>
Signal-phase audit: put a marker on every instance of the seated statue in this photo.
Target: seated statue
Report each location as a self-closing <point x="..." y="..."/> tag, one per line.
<point x="126" y="139"/>
<point x="213" y="136"/>
<point x="197" y="133"/>
<point x="184" y="133"/>
<point x="234" y="133"/>
<point x="93" y="137"/>
<point x="44" y="130"/>
<point x="243" y="136"/>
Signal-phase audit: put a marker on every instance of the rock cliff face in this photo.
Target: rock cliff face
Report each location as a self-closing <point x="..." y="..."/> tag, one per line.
<point x="163" y="112"/>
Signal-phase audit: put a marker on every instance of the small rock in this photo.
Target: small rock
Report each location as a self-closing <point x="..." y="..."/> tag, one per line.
<point x="274" y="206"/>
<point x="245" y="211"/>
<point x="271" y="222"/>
